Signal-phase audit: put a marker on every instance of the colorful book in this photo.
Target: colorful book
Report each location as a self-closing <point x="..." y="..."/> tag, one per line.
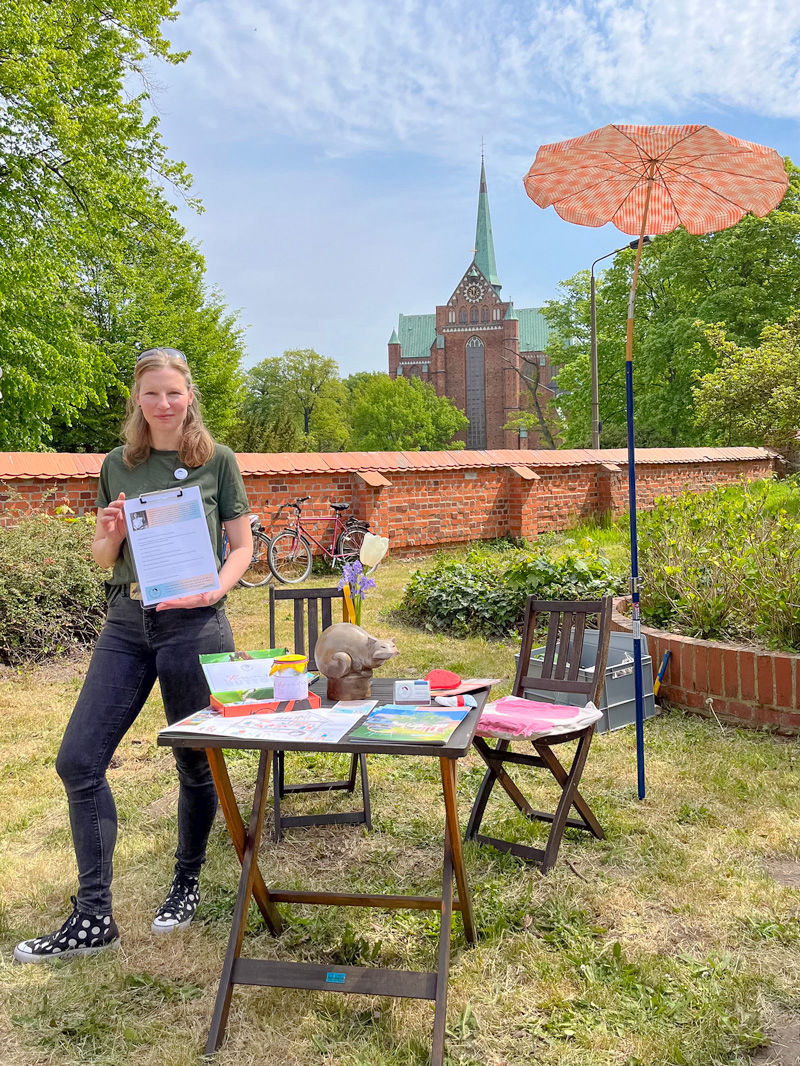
<point x="410" y="725"/>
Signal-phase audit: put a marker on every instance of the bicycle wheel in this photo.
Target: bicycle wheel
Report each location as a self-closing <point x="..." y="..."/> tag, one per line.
<point x="258" y="572"/>
<point x="349" y="545"/>
<point x="290" y="558"/>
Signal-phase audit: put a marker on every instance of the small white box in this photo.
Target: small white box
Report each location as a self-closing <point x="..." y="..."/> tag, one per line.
<point x="412" y="692"/>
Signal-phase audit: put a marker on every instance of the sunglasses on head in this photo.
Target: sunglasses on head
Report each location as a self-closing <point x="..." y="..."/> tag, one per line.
<point x="173" y="353"/>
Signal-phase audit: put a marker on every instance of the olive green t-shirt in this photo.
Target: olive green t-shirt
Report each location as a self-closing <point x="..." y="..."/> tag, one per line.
<point x="221" y="488"/>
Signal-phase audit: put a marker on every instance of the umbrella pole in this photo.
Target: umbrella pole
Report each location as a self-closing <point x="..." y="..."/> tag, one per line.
<point x="635" y="608"/>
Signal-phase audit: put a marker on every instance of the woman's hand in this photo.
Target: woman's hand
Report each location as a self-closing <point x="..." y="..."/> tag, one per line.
<point x="110" y="532"/>
<point x="185" y="603"/>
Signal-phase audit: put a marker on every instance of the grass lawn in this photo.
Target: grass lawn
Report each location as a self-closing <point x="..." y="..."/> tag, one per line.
<point x="674" y="941"/>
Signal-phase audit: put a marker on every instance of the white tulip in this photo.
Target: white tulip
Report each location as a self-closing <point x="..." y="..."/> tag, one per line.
<point x="373" y="550"/>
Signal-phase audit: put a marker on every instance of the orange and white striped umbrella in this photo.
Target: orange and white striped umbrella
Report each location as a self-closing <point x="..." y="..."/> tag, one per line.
<point x="702" y="179"/>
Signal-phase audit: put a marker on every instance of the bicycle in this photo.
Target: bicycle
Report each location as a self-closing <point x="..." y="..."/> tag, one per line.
<point x="258" y="572"/>
<point x="290" y="555"/>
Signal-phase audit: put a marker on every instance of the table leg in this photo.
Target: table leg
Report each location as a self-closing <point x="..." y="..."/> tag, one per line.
<point x="233" y="820"/>
<point x="453" y="834"/>
<point x="249" y="866"/>
<point x="443" y="954"/>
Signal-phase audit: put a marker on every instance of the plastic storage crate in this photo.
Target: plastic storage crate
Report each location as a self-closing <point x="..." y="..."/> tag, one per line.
<point x="618" y="701"/>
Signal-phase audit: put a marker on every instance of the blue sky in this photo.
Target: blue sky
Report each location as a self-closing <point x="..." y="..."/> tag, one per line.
<point x="336" y="146"/>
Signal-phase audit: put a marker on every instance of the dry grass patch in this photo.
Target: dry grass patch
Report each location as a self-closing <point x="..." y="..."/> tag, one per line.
<point x="671" y="942"/>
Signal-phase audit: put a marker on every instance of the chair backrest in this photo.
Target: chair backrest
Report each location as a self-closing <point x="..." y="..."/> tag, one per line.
<point x="567" y="622"/>
<point x="313" y="612"/>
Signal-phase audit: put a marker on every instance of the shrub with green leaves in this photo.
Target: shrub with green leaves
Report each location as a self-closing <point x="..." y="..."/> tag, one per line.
<point x="51" y="592"/>
<point x="725" y="565"/>
<point x="485" y="593"/>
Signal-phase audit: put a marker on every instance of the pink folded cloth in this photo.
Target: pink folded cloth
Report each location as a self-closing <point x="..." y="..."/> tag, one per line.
<point x="514" y="716"/>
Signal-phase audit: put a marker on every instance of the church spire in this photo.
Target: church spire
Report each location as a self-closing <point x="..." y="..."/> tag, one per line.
<point x="484" y="244"/>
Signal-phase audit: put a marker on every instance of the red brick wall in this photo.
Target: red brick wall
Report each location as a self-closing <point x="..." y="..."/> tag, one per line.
<point x="745" y="686"/>
<point x="21" y="496"/>
<point x="422" y="509"/>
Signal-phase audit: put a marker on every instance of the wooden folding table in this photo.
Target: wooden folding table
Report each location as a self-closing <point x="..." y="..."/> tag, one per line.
<point x="237" y="970"/>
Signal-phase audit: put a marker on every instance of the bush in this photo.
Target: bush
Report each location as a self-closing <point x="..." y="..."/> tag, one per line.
<point x="51" y="592"/>
<point x="725" y="565"/>
<point x="485" y="594"/>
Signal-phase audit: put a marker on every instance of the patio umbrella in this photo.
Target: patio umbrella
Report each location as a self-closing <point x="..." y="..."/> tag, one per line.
<point x="652" y="179"/>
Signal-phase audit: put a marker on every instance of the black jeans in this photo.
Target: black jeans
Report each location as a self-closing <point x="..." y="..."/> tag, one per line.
<point x="135" y="647"/>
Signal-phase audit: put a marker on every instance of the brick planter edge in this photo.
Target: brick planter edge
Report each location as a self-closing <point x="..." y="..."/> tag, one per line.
<point x="745" y="686"/>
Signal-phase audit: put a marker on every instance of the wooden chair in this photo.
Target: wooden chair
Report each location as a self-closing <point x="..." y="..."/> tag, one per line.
<point x="312" y="612"/>
<point x="566" y="629"/>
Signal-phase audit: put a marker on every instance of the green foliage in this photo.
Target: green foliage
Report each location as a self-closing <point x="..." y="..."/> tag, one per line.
<point x="742" y="278"/>
<point x="753" y="396"/>
<point x="51" y="593"/>
<point x="93" y="263"/>
<point x="293" y="402"/>
<point x="725" y="565"/>
<point x="485" y="594"/>
<point x="402" y="415"/>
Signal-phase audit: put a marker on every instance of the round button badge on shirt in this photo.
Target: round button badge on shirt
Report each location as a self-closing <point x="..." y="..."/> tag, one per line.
<point x="180" y="473"/>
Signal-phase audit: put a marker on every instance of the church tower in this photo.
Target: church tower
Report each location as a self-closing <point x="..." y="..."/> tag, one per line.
<point x="469" y="349"/>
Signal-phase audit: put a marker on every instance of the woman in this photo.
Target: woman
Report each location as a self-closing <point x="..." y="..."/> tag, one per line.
<point x="167" y="446"/>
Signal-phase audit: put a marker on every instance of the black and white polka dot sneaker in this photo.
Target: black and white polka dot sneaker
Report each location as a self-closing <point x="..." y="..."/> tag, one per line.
<point x="178" y="908"/>
<point x="81" y="934"/>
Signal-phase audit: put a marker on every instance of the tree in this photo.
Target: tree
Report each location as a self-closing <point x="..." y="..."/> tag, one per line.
<point x="293" y="402"/>
<point x="538" y="415"/>
<point x="160" y="298"/>
<point x="403" y="415"/>
<point x="743" y="278"/>
<point x="753" y="395"/>
<point x="83" y="212"/>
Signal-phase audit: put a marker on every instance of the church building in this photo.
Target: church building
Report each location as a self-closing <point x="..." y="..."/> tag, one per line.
<point x="477" y="346"/>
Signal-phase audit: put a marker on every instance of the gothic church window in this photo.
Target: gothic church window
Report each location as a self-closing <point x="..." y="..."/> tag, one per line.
<point x="473" y="315"/>
<point x="485" y="314"/>
<point x="476" y="394"/>
<point x="451" y="316"/>
<point x="462" y="317"/>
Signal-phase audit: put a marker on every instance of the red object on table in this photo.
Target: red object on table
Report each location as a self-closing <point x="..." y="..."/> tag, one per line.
<point x="442" y="679"/>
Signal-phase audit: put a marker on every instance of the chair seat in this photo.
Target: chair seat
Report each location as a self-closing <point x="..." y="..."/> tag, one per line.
<point x="515" y="718"/>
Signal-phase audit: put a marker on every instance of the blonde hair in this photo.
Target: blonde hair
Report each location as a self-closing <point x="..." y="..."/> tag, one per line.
<point x="197" y="444"/>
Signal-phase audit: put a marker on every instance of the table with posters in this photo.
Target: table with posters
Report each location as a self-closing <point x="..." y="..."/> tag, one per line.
<point x="238" y="970"/>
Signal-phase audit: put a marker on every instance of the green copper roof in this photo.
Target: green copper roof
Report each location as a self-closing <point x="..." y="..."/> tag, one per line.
<point x="484" y="243"/>
<point x="533" y="329"/>
<point x="394" y="338"/>
<point x="416" y="334"/>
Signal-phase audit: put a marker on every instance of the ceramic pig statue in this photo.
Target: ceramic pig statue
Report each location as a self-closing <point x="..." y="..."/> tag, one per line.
<point x="347" y="655"/>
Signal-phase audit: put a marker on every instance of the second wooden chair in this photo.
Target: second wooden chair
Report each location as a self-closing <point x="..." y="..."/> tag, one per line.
<point x="560" y="672"/>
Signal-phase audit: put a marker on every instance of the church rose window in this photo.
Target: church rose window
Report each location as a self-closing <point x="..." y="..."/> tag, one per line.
<point x="476" y="394"/>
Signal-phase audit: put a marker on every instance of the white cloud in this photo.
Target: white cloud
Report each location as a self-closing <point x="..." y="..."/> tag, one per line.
<point x="435" y="77"/>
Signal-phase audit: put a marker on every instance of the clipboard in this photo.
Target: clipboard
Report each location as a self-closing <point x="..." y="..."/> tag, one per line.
<point x="170" y="544"/>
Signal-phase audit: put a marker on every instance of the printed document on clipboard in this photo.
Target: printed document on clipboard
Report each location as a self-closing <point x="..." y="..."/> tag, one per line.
<point x="170" y="544"/>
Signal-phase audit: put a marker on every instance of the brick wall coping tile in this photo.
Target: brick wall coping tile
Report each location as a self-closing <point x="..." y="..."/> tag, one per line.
<point x="50" y="465"/>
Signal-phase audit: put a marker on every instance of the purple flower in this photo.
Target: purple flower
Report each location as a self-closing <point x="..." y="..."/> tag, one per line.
<point x="360" y="584"/>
